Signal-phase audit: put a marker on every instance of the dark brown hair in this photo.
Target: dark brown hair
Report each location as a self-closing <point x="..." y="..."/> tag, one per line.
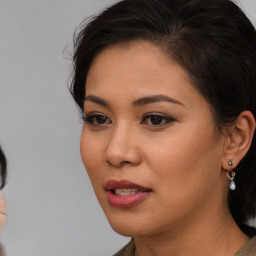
<point x="3" y="166"/>
<point x="212" y="40"/>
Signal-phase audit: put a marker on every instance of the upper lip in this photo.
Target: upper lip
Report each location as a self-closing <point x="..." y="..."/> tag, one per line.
<point x="124" y="184"/>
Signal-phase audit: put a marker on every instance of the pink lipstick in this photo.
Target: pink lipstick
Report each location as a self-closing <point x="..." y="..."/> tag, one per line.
<point x="125" y="193"/>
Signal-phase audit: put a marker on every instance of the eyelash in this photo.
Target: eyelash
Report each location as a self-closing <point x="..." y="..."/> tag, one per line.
<point x="91" y="118"/>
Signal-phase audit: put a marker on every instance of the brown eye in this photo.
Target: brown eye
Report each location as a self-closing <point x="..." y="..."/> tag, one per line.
<point x="100" y="119"/>
<point x="97" y="119"/>
<point x="156" y="120"/>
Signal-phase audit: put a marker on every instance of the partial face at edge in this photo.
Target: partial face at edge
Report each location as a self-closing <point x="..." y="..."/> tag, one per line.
<point x="2" y="211"/>
<point x="147" y="124"/>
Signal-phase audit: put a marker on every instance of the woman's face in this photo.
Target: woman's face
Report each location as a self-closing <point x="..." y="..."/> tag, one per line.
<point x="149" y="142"/>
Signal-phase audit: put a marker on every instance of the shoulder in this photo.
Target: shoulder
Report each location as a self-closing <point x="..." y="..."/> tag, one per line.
<point x="249" y="249"/>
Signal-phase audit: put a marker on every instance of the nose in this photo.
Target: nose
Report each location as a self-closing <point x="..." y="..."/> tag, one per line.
<point x="123" y="148"/>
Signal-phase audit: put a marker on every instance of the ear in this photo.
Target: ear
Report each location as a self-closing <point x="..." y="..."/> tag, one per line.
<point x="239" y="139"/>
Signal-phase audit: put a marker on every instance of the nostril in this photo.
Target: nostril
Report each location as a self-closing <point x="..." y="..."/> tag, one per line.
<point x="124" y="162"/>
<point x="118" y="164"/>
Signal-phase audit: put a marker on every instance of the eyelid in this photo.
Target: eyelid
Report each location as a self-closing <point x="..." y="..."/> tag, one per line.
<point x="158" y="114"/>
<point x="92" y="114"/>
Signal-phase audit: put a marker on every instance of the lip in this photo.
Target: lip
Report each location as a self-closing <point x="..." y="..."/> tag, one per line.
<point x="123" y="184"/>
<point x="128" y="200"/>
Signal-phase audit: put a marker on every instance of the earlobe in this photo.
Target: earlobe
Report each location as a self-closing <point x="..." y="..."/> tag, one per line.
<point x="239" y="139"/>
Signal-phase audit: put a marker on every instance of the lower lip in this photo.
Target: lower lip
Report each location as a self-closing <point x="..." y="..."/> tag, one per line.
<point x="126" y="201"/>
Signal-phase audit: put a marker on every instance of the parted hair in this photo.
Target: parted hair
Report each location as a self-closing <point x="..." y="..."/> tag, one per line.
<point x="212" y="40"/>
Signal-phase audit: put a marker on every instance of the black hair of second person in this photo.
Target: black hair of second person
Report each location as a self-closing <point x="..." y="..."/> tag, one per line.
<point x="212" y="40"/>
<point x="3" y="167"/>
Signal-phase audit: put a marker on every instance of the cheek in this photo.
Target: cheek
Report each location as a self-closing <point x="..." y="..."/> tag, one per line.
<point x="91" y="150"/>
<point x="185" y="160"/>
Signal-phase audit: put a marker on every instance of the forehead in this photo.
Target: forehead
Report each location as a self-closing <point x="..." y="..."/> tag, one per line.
<point x="141" y="57"/>
<point x="137" y="69"/>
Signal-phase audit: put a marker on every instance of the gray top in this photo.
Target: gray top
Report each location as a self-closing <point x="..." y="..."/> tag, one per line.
<point x="249" y="249"/>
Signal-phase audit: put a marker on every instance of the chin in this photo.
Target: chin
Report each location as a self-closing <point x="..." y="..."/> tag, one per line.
<point x="128" y="226"/>
<point x="127" y="230"/>
<point x="123" y="232"/>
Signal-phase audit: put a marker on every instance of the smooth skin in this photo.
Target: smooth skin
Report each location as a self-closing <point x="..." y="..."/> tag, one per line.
<point x="132" y="131"/>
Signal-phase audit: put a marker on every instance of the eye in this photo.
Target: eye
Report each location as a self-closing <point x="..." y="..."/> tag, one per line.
<point x="155" y="119"/>
<point x="96" y="119"/>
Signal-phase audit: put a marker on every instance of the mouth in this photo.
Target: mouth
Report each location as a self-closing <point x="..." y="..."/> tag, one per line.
<point x="125" y="193"/>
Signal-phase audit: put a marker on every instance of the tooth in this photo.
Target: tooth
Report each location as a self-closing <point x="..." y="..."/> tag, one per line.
<point x="126" y="192"/>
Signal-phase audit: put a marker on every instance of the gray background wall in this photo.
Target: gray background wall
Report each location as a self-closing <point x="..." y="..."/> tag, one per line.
<point x="52" y="208"/>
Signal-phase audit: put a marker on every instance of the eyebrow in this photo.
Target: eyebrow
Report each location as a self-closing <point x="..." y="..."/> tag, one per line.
<point x="97" y="100"/>
<point x="139" y="102"/>
<point x="155" y="98"/>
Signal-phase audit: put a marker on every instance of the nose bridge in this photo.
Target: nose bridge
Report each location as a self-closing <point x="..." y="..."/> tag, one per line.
<point x="122" y="146"/>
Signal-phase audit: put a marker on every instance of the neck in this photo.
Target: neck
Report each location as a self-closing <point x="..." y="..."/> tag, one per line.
<point x="216" y="235"/>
